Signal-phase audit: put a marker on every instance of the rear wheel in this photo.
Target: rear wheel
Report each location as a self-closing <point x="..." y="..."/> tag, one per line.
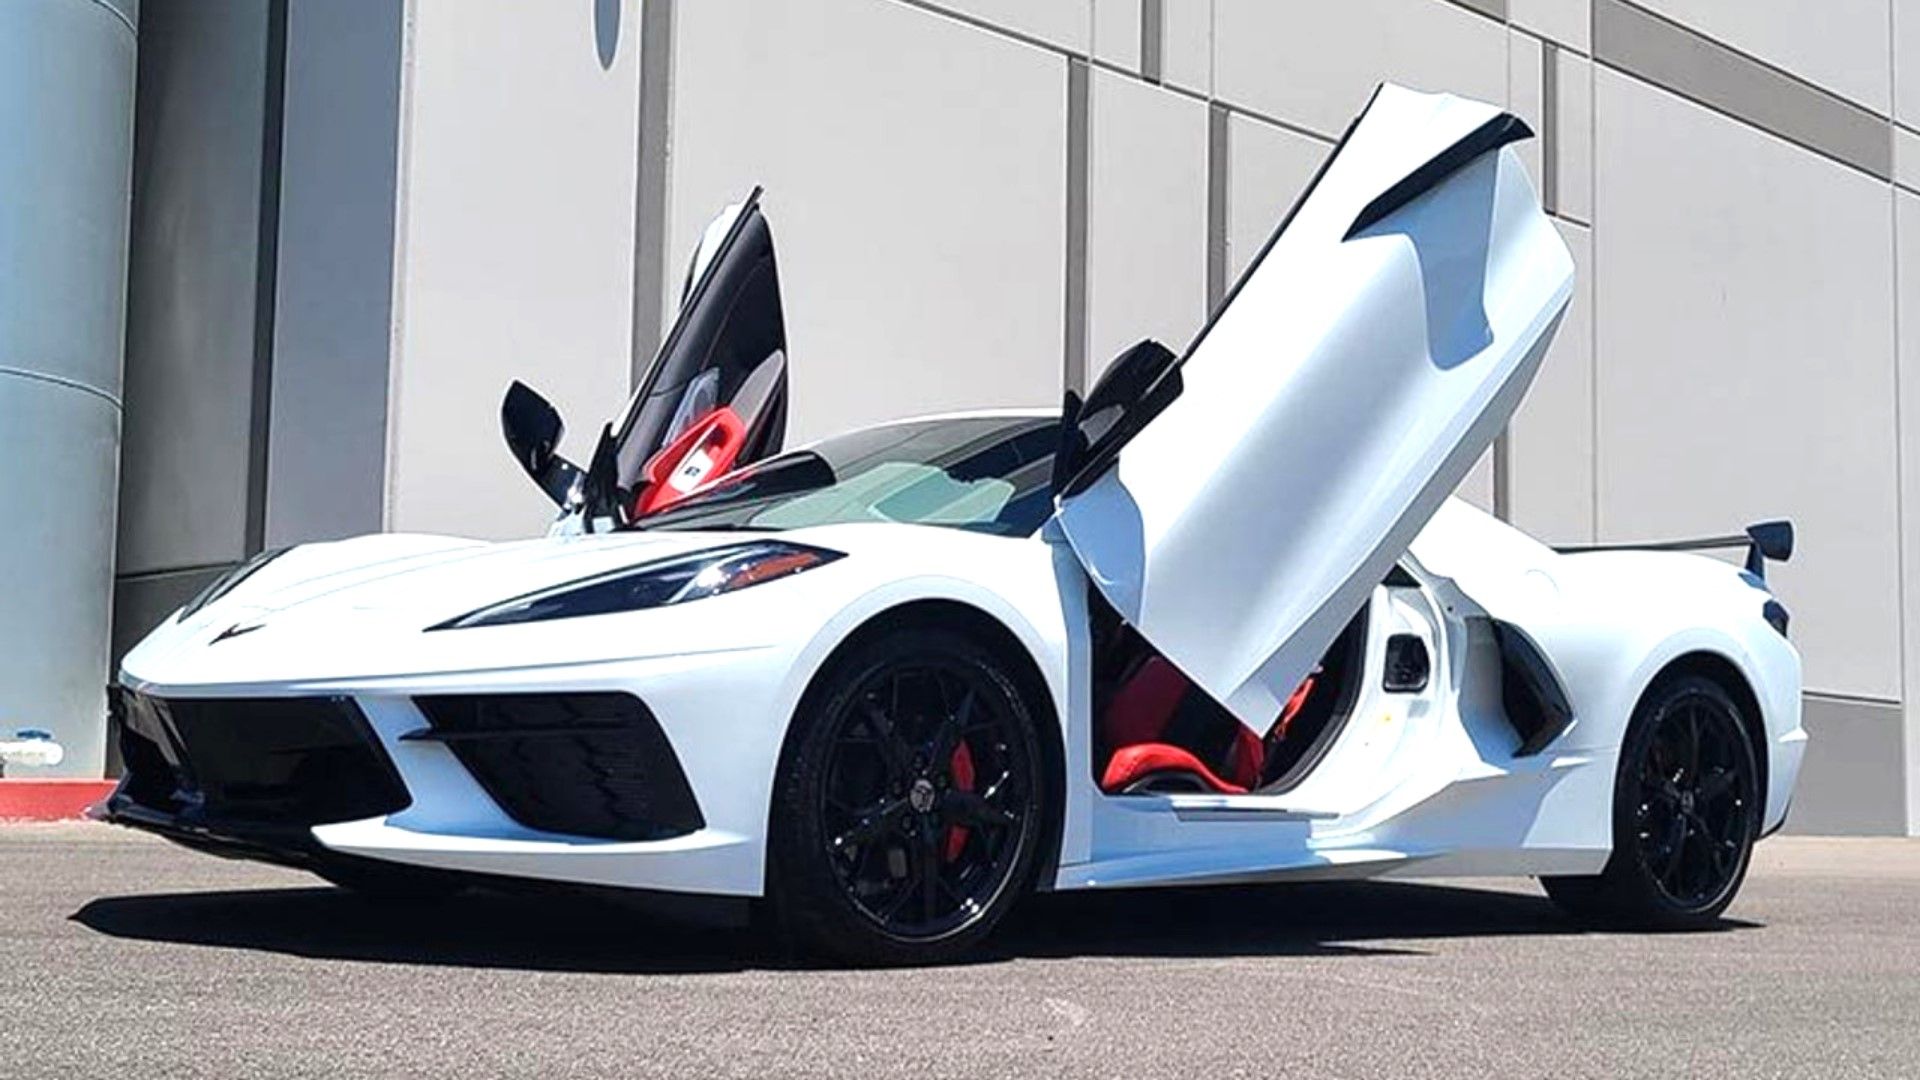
<point x="1686" y="814"/>
<point x="907" y="816"/>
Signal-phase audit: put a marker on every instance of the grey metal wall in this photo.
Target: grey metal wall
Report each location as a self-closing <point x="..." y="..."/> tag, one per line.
<point x="66" y="129"/>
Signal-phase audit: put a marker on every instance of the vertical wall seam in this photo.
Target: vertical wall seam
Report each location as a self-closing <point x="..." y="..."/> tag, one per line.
<point x="1218" y="165"/>
<point x="654" y="145"/>
<point x="402" y="204"/>
<point x="1550" y="126"/>
<point x="1074" y="364"/>
<point x="266" y="293"/>
<point x="1153" y="40"/>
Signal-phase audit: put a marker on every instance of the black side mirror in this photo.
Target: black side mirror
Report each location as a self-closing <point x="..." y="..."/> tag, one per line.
<point x="532" y="427"/>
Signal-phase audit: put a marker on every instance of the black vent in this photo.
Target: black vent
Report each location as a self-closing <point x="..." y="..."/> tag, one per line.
<point x="281" y="761"/>
<point x="582" y="764"/>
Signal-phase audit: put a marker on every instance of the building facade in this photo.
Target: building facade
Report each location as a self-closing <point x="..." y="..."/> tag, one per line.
<point x="354" y="221"/>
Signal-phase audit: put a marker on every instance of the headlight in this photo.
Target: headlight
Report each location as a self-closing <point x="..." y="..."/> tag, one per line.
<point x="228" y="581"/>
<point x="673" y="581"/>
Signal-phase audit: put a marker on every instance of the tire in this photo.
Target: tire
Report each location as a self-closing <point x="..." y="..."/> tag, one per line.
<point x="1684" y="820"/>
<point x="909" y="808"/>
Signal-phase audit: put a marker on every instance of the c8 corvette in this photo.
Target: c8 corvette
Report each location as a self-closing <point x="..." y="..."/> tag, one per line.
<point x="1215" y="622"/>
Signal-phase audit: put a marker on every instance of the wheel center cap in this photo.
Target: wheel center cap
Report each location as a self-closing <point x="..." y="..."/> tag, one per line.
<point x="920" y="796"/>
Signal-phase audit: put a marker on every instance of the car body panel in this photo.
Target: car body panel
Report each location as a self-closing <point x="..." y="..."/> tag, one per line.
<point x="1346" y="386"/>
<point x="1432" y="780"/>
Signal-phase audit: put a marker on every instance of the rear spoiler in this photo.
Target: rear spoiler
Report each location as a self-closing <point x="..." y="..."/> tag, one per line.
<point x="1765" y="541"/>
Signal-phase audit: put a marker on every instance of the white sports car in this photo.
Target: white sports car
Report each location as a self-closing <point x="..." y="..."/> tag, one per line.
<point x="1218" y="622"/>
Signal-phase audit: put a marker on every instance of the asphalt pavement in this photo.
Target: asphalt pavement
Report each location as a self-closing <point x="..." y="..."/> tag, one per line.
<point x="123" y="956"/>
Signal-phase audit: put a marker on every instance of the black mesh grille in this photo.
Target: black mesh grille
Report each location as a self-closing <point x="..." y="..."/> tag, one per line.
<point x="582" y="764"/>
<point x="285" y="761"/>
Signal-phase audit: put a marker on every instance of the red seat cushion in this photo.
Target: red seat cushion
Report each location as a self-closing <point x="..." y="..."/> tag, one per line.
<point x="1130" y="764"/>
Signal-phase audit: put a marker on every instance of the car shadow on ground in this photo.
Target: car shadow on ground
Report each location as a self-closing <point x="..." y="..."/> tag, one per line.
<point x="590" y="934"/>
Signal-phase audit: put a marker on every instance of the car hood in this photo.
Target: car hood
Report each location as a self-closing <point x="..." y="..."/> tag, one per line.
<point x="362" y="605"/>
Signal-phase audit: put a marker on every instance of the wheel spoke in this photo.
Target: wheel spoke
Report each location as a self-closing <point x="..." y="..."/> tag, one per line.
<point x="872" y="824"/>
<point x="930" y="873"/>
<point x="1717" y="783"/>
<point x="972" y="808"/>
<point x="894" y="751"/>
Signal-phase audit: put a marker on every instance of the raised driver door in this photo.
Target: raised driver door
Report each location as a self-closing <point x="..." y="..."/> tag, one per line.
<point x="1367" y="357"/>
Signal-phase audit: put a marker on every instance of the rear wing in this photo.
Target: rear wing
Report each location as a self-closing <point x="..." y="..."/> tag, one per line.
<point x="1765" y="541"/>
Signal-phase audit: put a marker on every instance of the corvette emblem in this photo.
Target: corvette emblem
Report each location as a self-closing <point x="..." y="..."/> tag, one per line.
<point x="234" y="631"/>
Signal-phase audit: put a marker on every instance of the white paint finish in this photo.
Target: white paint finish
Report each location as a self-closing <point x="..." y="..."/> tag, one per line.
<point x="1526" y="96"/>
<point x="1067" y="24"/>
<point x="1906" y="158"/>
<point x="1574" y="138"/>
<point x="1344" y="390"/>
<point x="1267" y="169"/>
<point x="515" y="258"/>
<point x="1730" y="391"/>
<point x="1840" y="45"/>
<point x="1315" y="64"/>
<point x="1907" y="239"/>
<point x="1566" y="22"/>
<point x="1550" y="477"/>
<point x="1116" y="32"/>
<point x="1423" y="783"/>
<point x="1187" y="59"/>
<point x="1146" y="218"/>
<point x="916" y="184"/>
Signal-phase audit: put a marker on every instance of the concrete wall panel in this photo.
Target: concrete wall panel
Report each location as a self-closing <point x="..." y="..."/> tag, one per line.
<point x="1147" y="218"/>
<point x="1187" y="27"/>
<point x="1573" y="137"/>
<point x="1565" y="22"/>
<point x="191" y="286"/>
<point x="1067" y="24"/>
<point x="1268" y="168"/>
<point x="1843" y="54"/>
<point x="916" y="181"/>
<point x="1907" y="237"/>
<point x="1315" y="64"/>
<point x="1550" y="460"/>
<point x="516" y="248"/>
<point x="1117" y="33"/>
<point x="333" y="326"/>
<point x="1851" y="779"/>
<point x="1744" y="365"/>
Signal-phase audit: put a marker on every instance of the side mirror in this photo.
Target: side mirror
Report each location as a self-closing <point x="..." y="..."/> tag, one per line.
<point x="533" y="428"/>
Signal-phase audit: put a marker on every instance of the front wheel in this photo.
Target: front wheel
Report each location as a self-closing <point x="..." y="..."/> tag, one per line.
<point x="1685" y="817"/>
<point x="908" y="813"/>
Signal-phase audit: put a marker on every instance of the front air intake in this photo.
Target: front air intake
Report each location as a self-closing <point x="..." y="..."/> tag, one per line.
<point x="589" y="764"/>
<point x="291" y="761"/>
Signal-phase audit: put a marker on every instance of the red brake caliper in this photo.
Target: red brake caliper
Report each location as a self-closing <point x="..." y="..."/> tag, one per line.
<point x="961" y="765"/>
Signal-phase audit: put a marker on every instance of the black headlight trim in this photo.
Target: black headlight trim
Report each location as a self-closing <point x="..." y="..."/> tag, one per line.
<point x="597" y="595"/>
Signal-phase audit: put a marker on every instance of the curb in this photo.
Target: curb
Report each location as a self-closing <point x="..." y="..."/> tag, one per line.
<point x="50" y="800"/>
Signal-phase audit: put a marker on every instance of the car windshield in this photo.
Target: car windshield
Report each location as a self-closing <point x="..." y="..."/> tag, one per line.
<point x="986" y="474"/>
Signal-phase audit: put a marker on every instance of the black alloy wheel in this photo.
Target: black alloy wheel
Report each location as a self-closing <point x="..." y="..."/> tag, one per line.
<point x="1686" y="814"/>
<point x="908" y="815"/>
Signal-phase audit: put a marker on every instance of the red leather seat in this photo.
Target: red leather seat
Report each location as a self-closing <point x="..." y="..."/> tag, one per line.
<point x="1136" y="722"/>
